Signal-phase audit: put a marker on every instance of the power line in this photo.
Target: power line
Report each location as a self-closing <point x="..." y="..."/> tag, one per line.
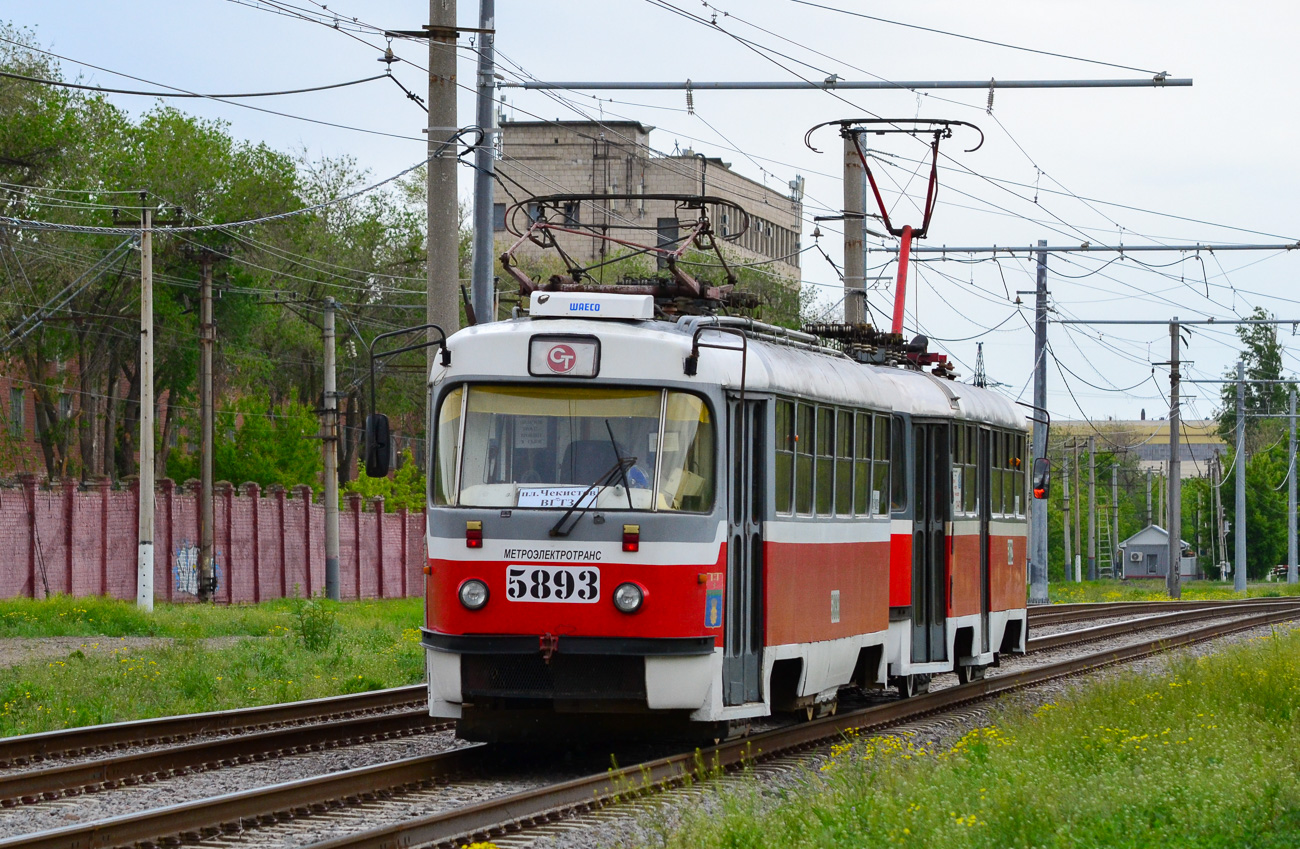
<point x="976" y="39"/>
<point x="103" y="90"/>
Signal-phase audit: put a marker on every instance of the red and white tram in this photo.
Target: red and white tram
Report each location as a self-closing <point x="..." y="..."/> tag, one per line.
<point x="673" y="526"/>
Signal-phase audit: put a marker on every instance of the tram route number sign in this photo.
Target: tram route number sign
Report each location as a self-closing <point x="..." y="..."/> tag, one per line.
<point x="553" y="583"/>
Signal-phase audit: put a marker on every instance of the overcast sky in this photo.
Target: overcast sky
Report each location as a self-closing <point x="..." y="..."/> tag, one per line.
<point x="1213" y="163"/>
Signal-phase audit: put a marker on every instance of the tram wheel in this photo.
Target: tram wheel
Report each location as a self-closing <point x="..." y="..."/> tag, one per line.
<point x="912" y="685"/>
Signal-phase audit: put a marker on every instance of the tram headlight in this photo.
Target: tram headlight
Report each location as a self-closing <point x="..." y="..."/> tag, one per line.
<point x="473" y="594"/>
<point x="628" y="598"/>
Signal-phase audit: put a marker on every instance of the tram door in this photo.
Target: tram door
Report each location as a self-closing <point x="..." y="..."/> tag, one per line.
<point x="747" y="500"/>
<point x="933" y="495"/>
<point x="984" y="463"/>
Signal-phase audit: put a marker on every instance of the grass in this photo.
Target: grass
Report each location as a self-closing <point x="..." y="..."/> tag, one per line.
<point x="1133" y="590"/>
<point x="1204" y="756"/>
<point x="282" y="651"/>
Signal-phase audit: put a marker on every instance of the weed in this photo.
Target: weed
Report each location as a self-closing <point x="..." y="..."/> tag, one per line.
<point x="315" y="622"/>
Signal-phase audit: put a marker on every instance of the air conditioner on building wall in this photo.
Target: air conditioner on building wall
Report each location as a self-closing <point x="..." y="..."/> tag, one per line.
<point x="1135" y="556"/>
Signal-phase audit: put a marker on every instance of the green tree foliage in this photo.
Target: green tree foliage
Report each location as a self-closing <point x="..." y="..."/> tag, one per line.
<point x="262" y="443"/>
<point x="1262" y="354"/>
<point x="403" y="488"/>
<point x="73" y="158"/>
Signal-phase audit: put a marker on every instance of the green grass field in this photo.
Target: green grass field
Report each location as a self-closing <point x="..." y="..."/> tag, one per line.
<point x="273" y="652"/>
<point x="1205" y="756"/>
<point x="1109" y="591"/>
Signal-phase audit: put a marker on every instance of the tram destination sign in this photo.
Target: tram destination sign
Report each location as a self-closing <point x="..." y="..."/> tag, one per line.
<point x="557" y="496"/>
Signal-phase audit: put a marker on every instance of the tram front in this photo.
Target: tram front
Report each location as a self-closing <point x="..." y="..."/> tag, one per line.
<point x="575" y="536"/>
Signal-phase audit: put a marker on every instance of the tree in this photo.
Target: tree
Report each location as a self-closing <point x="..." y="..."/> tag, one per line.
<point x="264" y="443"/>
<point x="1262" y="355"/>
<point x="1265" y="509"/>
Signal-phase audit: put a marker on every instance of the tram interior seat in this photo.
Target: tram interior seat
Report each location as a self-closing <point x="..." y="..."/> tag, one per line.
<point x="586" y="460"/>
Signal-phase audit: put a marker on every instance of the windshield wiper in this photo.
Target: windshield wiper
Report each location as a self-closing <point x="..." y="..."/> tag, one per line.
<point x="619" y="468"/>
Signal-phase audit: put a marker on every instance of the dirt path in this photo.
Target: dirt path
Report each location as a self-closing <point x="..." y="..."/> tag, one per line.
<point x="15" y="651"/>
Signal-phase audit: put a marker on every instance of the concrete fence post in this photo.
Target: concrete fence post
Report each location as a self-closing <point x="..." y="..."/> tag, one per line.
<point x="103" y="485"/>
<point x="403" y="518"/>
<point x="254" y="493"/>
<point x="224" y="492"/>
<point x="69" y="491"/>
<point x="304" y="495"/>
<point x="167" y="550"/>
<point x="377" y="505"/>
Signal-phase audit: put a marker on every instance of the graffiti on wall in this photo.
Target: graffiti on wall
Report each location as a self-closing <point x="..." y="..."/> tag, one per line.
<point x="186" y="571"/>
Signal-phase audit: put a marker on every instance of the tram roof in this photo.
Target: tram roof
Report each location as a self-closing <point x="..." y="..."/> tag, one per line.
<point x="641" y="350"/>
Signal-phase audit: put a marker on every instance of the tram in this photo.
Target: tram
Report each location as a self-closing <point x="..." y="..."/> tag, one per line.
<point x="674" y="525"/>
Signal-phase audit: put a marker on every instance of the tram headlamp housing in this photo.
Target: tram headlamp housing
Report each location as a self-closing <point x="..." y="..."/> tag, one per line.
<point x="628" y="597"/>
<point x="473" y="594"/>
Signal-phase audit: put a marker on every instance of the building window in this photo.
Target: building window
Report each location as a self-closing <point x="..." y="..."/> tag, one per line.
<point x="571" y="214"/>
<point x="65" y="406"/>
<point x="17" y="418"/>
<point x="498" y="216"/>
<point x="668" y="237"/>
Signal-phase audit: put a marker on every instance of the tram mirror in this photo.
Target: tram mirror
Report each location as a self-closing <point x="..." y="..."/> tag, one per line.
<point x="378" y="446"/>
<point x="1042" y="477"/>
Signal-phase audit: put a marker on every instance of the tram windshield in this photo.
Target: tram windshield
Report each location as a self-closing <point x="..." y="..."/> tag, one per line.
<point x="553" y="447"/>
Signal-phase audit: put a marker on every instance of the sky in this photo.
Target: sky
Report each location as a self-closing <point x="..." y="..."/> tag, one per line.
<point x="1208" y="164"/>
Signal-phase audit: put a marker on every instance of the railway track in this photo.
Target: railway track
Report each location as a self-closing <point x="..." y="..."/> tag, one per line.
<point x="32" y="748"/>
<point x="53" y="782"/>
<point x="236" y="812"/>
<point x="1061" y="614"/>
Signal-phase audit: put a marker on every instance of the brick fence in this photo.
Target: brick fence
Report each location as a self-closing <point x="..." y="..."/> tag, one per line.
<point x="65" y="539"/>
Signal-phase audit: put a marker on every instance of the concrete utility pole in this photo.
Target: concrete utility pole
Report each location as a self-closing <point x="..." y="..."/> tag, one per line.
<point x="481" y="284"/>
<point x="855" y="200"/>
<point x="1220" y="525"/>
<point x="1290" y="495"/>
<point x="1174" y="578"/>
<point x="443" y="239"/>
<point x="1162" y="489"/>
<point x="1199" y="553"/>
<point x="1037" y="506"/>
<point x="207" y="335"/>
<point x="330" y="450"/>
<point x="1116" y="566"/>
<point x="1149" y="516"/>
<point x="1078" y="510"/>
<point x="144" y="559"/>
<point x="1239" y="567"/>
<point x="1092" y="508"/>
<point x="1065" y="509"/>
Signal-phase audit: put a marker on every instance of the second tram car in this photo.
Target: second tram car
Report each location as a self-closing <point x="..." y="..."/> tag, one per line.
<point x="674" y="526"/>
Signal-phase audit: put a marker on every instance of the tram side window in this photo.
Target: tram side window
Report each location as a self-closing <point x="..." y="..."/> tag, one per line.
<point x="1019" y="473"/>
<point x="862" y="484"/>
<point x="825" y="488"/>
<point x="784" y="455"/>
<point x="898" y="470"/>
<point x="995" y="473"/>
<point x="844" y="463"/>
<point x="970" y="485"/>
<point x="961" y="463"/>
<point x="803" y="461"/>
<point x="880" y="467"/>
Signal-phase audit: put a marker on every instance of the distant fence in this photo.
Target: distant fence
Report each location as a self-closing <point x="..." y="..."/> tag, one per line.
<point x="66" y="539"/>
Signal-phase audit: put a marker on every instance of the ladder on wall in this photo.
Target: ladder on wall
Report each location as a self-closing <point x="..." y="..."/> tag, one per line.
<point x="1105" y="547"/>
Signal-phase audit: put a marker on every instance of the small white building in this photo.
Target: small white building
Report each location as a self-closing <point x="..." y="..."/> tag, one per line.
<point x="1146" y="555"/>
